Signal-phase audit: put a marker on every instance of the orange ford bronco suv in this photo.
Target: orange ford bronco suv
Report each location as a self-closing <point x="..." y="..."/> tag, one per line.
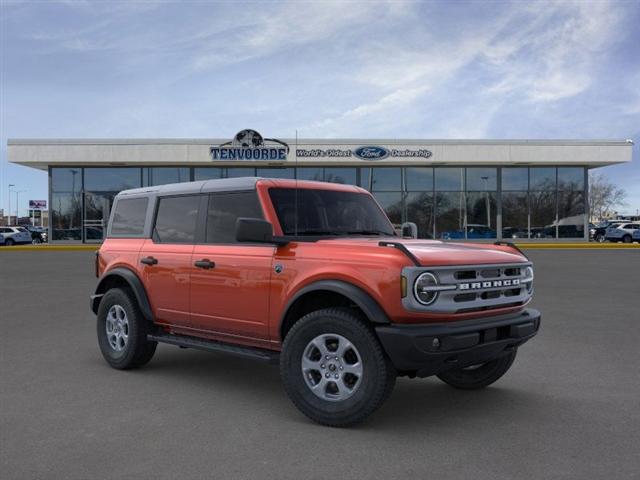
<point x="312" y="276"/>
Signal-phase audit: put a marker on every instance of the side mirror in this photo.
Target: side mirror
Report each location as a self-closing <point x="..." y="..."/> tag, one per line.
<point x="409" y="229"/>
<point x="256" y="230"/>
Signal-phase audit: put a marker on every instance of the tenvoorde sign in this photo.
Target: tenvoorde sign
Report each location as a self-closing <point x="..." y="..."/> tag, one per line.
<point x="250" y="145"/>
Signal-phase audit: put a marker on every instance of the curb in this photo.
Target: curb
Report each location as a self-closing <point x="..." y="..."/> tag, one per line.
<point x="582" y="246"/>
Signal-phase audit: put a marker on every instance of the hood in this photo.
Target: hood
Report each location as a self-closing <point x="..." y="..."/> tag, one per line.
<point x="441" y="253"/>
<point x="435" y="252"/>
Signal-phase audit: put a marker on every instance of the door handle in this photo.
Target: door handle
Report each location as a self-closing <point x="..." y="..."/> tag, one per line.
<point x="205" y="263"/>
<point x="149" y="261"/>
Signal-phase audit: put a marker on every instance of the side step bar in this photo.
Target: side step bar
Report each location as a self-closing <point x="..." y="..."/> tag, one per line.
<point x="185" y="341"/>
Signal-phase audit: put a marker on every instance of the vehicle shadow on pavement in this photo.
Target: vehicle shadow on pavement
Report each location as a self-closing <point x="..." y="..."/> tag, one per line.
<point x="414" y="404"/>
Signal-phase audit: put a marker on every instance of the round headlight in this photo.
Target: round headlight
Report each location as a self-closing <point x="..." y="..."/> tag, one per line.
<point x="528" y="276"/>
<point x="422" y="288"/>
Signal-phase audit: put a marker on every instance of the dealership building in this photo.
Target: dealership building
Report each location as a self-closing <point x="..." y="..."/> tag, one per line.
<point x="529" y="190"/>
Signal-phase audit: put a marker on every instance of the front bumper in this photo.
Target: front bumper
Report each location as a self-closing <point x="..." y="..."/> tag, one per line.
<point x="426" y="350"/>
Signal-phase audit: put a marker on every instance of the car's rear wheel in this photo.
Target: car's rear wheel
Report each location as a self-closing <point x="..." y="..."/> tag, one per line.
<point x="478" y="376"/>
<point x="334" y="369"/>
<point x="122" y="331"/>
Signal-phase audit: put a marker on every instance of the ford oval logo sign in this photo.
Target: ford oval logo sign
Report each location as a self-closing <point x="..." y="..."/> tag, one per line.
<point x="371" y="153"/>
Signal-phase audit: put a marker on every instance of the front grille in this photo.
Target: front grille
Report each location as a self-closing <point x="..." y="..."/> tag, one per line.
<point x="473" y="287"/>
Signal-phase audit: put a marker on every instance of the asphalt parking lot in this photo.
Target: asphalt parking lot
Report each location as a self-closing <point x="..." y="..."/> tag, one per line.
<point x="569" y="407"/>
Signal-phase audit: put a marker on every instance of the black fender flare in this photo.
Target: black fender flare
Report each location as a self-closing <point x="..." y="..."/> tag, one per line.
<point x="362" y="299"/>
<point x="133" y="281"/>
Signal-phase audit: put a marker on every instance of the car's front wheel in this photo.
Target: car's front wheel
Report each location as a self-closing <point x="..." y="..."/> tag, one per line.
<point x="122" y="331"/>
<point x="36" y="241"/>
<point x="626" y="239"/>
<point x="599" y="238"/>
<point x="9" y="242"/>
<point x="479" y="376"/>
<point x="334" y="369"/>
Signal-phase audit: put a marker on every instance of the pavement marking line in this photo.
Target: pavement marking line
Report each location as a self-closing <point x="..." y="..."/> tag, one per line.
<point x="48" y="248"/>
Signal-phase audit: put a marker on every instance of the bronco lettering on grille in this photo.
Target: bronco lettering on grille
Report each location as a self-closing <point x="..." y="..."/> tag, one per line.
<point x="489" y="284"/>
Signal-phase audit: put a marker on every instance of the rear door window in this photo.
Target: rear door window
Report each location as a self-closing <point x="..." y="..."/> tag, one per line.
<point x="129" y="217"/>
<point x="223" y="211"/>
<point x="176" y="219"/>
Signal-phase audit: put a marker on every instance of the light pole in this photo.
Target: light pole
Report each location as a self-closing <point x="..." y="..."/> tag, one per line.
<point x="18" y="192"/>
<point x="9" y="212"/>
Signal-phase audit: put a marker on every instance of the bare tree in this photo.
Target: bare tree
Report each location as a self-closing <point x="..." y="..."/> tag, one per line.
<point x="604" y="196"/>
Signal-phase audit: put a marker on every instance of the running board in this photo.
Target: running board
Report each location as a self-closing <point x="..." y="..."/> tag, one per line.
<point x="185" y="341"/>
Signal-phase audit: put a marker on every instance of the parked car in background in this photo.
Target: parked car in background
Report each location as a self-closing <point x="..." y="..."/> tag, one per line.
<point x="473" y="231"/>
<point x="600" y="230"/>
<point x="514" y="232"/>
<point x="622" y="232"/>
<point x="15" y="235"/>
<point x="38" y="234"/>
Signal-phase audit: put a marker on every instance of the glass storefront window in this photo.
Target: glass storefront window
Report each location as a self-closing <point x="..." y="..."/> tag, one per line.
<point x="543" y="214"/>
<point x="235" y="172"/>
<point x="542" y="178"/>
<point x="418" y="179"/>
<point x="450" y="220"/>
<point x="66" y="216"/>
<point x="275" y="172"/>
<point x="482" y="179"/>
<point x="110" y="179"/>
<point x="386" y="179"/>
<point x="391" y="203"/>
<point x="515" y="215"/>
<point x="340" y="175"/>
<point x="419" y="207"/>
<point x="365" y="178"/>
<point x="571" y="178"/>
<point x="66" y="179"/>
<point x="481" y="215"/>
<point x="515" y="179"/>
<point x="310" y="173"/>
<point x="164" y="175"/>
<point x="449" y="179"/>
<point x="571" y="211"/>
<point x="207" y="173"/>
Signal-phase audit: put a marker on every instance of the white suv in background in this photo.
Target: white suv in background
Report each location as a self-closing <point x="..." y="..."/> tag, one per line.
<point x="623" y="232"/>
<point x="15" y="235"/>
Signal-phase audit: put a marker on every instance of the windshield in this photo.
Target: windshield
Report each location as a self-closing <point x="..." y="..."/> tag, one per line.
<point x="328" y="212"/>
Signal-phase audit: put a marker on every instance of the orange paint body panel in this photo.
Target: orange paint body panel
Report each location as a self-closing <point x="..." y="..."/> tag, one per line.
<point x="243" y="300"/>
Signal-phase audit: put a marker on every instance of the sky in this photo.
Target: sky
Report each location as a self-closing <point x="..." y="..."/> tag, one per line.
<point x="374" y="69"/>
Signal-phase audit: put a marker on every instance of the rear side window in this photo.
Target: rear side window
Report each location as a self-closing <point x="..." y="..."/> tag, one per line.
<point x="224" y="209"/>
<point x="129" y="216"/>
<point x="176" y="219"/>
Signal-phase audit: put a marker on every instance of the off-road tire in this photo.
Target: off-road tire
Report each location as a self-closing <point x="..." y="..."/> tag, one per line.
<point x="138" y="351"/>
<point x="480" y="377"/>
<point x="378" y="377"/>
